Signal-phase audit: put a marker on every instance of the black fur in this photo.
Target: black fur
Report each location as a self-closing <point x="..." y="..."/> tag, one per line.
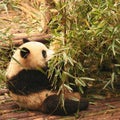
<point x="52" y="105"/>
<point x="24" y="52"/>
<point x="44" y="53"/>
<point x="25" y="40"/>
<point x="44" y="41"/>
<point x="28" y="81"/>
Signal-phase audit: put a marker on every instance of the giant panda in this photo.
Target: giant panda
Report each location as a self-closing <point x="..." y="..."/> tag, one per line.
<point x="30" y="87"/>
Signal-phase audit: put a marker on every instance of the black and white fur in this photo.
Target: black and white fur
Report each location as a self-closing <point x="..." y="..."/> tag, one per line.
<point x="30" y="87"/>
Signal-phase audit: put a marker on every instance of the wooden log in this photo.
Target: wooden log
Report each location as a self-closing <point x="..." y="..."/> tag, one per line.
<point x="100" y="116"/>
<point x="32" y="36"/>
<point x="18" y="115"/>
<point x="44" y="38"/>
<point x="9" y="105"/>
<point x="43" y="117"/>
<point x="3" y="91"/>
<point x="18" y="38"/>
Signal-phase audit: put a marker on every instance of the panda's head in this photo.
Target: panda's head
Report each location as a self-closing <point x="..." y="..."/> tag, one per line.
<point x="30" y="55"/>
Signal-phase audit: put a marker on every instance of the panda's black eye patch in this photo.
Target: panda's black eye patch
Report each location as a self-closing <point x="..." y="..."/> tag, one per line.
<point x="24" y="52"/>
<point x="44" y="54"/>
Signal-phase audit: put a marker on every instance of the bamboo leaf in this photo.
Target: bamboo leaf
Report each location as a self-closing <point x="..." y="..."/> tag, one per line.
<point x="87" y="78"/>
<point x="68" y="87"/>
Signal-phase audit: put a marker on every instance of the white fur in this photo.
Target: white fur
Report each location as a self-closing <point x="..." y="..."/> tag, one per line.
<point x="32" y="101"/>
<point x="34" y="61"/>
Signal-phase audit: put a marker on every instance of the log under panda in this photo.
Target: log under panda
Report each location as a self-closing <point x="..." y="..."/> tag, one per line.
<point x="29" y="85"/>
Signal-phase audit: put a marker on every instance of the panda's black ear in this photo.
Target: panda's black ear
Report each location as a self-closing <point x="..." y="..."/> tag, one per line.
<point x="24" y="52"/>
<point x="25" y="40"/>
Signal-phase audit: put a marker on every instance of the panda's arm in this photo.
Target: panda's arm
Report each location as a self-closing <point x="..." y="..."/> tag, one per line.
<point x="28" y="81"/>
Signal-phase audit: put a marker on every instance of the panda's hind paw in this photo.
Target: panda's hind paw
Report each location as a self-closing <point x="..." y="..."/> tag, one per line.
<point x="83" y="105"/>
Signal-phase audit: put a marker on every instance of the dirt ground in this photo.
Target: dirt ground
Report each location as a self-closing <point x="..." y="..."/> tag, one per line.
<point x="107" y="109"/>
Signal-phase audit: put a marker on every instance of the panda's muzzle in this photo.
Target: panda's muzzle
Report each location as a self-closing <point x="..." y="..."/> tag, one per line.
<point x="45" y="68"/>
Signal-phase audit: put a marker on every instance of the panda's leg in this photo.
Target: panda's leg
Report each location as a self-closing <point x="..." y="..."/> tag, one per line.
<point x="51" y="105"/>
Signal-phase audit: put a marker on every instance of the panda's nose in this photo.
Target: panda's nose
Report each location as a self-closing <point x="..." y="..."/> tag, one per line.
<point x="46" y="67"/>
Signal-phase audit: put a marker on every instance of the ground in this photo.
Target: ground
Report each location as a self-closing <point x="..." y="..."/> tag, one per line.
<point x="107" y="109"/>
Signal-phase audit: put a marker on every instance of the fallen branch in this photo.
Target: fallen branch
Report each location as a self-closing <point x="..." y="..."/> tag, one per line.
<point x="18" y="36"/>
<point x="17" y="39"/>
<point x="3" y="91"/>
